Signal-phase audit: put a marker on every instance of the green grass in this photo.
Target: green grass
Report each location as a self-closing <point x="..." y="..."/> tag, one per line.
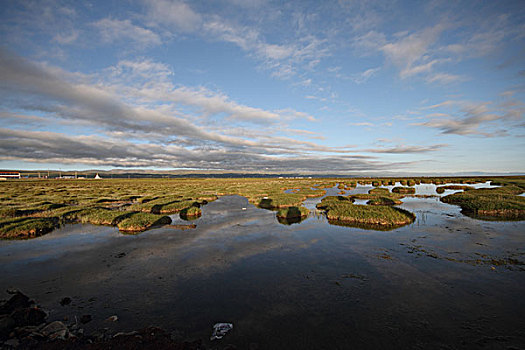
<point x="293" y="212"/>
<point x="342" y="209"/>
<point x="374" y="215"/>
<point x="384" y="201"/>
<point x="404" y="190"/>
<point x="379" y="196"/>
<point x="23" y="228"/>
<point x="501" y="202"/>
<point x="333" y="200"/>
<point x="139" y="222"/>
<point x="65" y="198"/>
<point x="379" y="191"/>
<point x="190" y="213"/>
<point x="98" y="216"/>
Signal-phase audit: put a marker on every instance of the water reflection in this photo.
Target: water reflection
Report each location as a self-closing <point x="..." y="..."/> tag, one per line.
<point x="432" y="284"/>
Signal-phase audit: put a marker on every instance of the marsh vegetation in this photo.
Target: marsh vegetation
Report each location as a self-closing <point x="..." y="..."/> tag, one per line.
<point x="31" y="208"/>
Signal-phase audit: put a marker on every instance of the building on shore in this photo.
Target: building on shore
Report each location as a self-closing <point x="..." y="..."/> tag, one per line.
<point x="4" y="175"/>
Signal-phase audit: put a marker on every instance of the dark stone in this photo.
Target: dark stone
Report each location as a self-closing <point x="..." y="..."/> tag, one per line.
<point x="65" y="301"/>
<point x="7" y="324"/>
<point x="85" y="319"/>
<point x="30" y="316"/>
<point x="17" y="301"/>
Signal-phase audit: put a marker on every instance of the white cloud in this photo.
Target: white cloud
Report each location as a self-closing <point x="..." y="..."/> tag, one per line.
<point x="444" y="78"/>
<point x="114" y="30"/>
<point x="66" y="38"/>
<point x="482" y="118"/>
<point x="175" y="14"/>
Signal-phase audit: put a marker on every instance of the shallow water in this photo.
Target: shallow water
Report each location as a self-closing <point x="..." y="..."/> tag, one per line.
<point x="446" y="280"/>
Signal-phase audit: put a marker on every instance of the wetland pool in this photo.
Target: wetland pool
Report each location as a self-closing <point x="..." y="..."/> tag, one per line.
<point x="444" y="281"/>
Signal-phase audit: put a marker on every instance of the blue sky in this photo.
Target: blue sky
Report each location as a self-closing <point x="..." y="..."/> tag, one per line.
<point x="350" y="87"/>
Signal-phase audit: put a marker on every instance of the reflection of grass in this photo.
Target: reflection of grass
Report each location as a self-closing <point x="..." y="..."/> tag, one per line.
<point x="501" y="202"/>
<point x="138" y="222"/>
<point x="364" y="226"/>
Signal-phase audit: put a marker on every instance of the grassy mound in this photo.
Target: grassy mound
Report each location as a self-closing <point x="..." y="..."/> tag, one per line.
<point x="179" y="206"/>
<point x="497" y="203"/>
<point x="276" y="201"/>
<point x="98" y="216"/>
<point x="342" y="209"/>
<point x="333" y="200"/>
<point x="190" y="213"/>
<point x="379" y="196"/>
<point x="457" y="187"/>
<point x="23" y="228"/>
<point x="139" y="222"/>
<point x="404" y="190"/>
<point x="292" y="212"/>
<point x="384" y="201"/>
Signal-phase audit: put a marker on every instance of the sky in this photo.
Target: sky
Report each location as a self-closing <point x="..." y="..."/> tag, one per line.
<point x="351" y="87"/>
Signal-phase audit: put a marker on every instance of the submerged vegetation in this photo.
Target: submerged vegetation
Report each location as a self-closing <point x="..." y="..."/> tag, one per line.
<point x="30" y="208"/>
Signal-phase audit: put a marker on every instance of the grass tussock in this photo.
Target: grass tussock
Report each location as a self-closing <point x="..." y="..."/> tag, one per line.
<point x="98" y="216"/>
<point x="24" y="228"/>
<point x="342" y="209"/>
<point x="139" y="222"/>
<point x="498" y="203"/>
<point x="380" y="196"/>
<point x="384" y="201"/>
<point x="190" y="213"/>
<point x="404" y="190"/>
<point x="292" y="212"/>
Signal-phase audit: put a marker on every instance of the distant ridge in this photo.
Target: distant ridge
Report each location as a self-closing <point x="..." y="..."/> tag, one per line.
<point x="140" y="173"/>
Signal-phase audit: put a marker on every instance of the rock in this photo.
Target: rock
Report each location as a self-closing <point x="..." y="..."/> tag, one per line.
<point x="113" y="318"/>
<point x="7" y="324"/>
<point x="13" y="343"/>
<point x="17" y="301"/>
<point x="29" y="316"/>
<point x="65" y="301"/>
<point x="123" y="334"/>
<point x="85" y="319"/>
<point x="55" y="330"/>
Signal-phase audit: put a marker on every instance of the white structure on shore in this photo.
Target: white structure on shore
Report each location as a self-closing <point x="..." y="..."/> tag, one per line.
<point x="97" y="177"/>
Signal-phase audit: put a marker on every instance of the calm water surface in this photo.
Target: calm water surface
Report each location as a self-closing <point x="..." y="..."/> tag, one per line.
<point x="445" y="281"/>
